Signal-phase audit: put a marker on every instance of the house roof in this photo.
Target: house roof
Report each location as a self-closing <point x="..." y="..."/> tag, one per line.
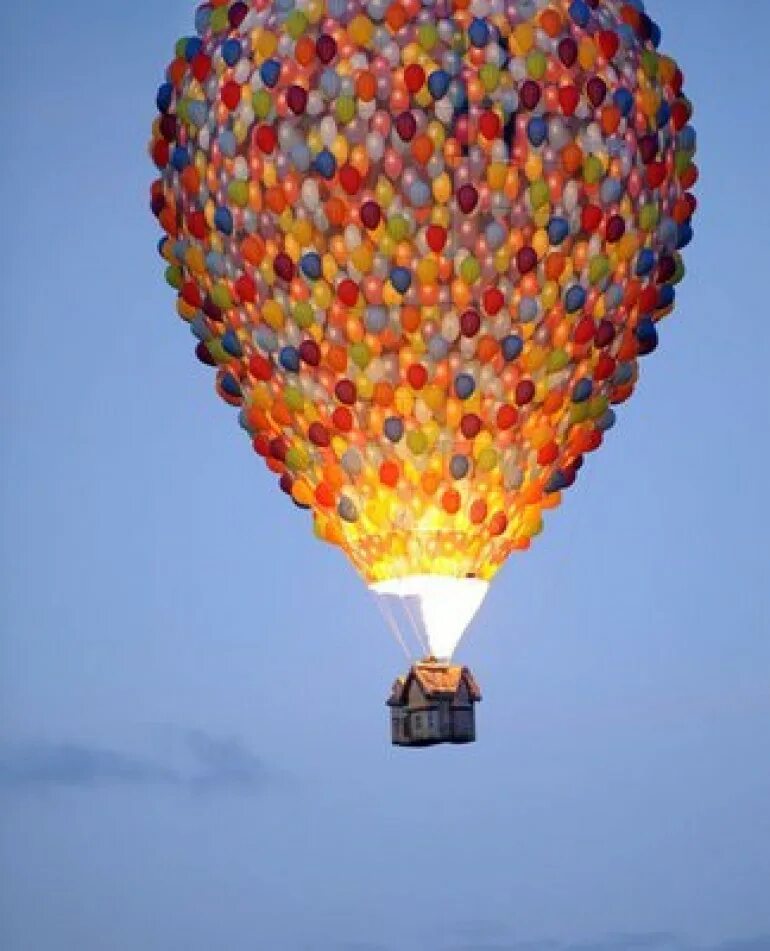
<point x="397" y="693"/>
<point x="437" y="681"/>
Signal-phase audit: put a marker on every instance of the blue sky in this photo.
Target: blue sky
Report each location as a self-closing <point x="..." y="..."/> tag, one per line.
<point x="193" y="742"/>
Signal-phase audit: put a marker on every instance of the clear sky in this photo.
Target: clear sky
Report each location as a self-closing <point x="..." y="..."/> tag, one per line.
<point x="194" y="744"/>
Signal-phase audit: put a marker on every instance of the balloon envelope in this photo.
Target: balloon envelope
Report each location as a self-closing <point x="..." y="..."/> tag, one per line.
<point x="424" y="245"/>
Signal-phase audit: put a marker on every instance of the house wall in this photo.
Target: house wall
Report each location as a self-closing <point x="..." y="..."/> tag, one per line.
<point x="439" y="723"/>
<point x="462" y="696"/>
<point x="396" y="725"/>
<point x="416" y="696"/>
<point x="425" y="724"/>
<point x="445" y="718"/>
<point x="464" y="722"/>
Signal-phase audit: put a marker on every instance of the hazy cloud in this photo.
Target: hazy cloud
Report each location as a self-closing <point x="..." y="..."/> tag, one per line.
<point x="645" y="941"/>
<point x="471" y="929"/>
<point x="361" y="946"/>
<point x="201" y="762"/>
<point x="468" y="943"/>
<point x="348" y="946"/>
<point x="506" y="946"/>
<point x="761" y="943"/>
<point x="70" y="764"/>
<point x="223" y="763"/>
<point x="653" y="941"/>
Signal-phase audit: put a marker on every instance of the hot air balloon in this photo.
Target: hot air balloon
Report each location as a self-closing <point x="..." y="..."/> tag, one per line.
<point x="423" y="244"/>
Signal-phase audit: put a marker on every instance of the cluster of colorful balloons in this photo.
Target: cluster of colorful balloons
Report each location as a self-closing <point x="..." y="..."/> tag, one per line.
<point x="424" y="243"/>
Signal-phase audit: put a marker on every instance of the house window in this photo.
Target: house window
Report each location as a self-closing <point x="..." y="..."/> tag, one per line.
<point x="418" y="721"/>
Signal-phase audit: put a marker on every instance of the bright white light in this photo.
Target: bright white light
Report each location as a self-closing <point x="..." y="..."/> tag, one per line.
<point x="438" y="607"/>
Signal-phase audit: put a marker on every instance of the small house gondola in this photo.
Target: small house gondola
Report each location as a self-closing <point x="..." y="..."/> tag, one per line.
<point x="434" y="703"/>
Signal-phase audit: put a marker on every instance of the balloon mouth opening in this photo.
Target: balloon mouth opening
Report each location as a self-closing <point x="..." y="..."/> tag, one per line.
<point x="433" y="610"/>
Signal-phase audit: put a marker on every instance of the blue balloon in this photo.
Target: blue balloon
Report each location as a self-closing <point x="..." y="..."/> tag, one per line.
<point x="687" y="139"/>
<point x="215" y="263"/>
<point x="243" y="422"/>
<point x="528" y="310"/>
<point x="558" y="230"/>
<point x="438" y="83"/>
<point x="231" y="52"/>
<point x="575" y="298"/>
<point x="289" y="359"/>
<point x="611" y="191"/>
<point x="465" y="386"/>
<point x="197" y="113"/>
<point x="645" y="262"/>
<point x="666" y="296"/>
<point x="646" y="335"/>
<point x="627" y="34"/>
<point x="614" y="296"/>
<point x="401" y="279"/>
<point x="583" y="390"/>
<point x="180" y="158"/>
<point x="231" y="344"/>
<point x="624" y="100"/>
<point x="579" y="12"/>
<point x="537" y="130"/>
<point x="301" y="156"/>
<point x="266" y="340"/>
<point x="438" y="347"/>
<point x="325" y="164"/>
<point x="558" y="481"/>
<point x="270" y="71"/>
<point x="684" y="236"/>
<point x="512" y="347"/>
<point x="458" y="96"/>
<point x="668" y="233"/>
<point x="419" y="195"/>
<point x="310" y="265"/>
<point x="479" y="32"/>
<point x="165" y="97"/>
<point x="231" y="386"/>
<point x="495" y="235"/>
<point x="193" y="46"/>
<point x="330" y="83"/>
<point x="202" y="20"/>
<point x="228" y="143"/>
<point x="623" y="375"/>
<point x="459" y="467"/>
<point x="200" y="329"/>
<point x="376" y="319"/>
<point x="223" y="219"/>
<point x="394" y="428"/>
<point x="606" y="420"/>
<point x="664" y="115"/>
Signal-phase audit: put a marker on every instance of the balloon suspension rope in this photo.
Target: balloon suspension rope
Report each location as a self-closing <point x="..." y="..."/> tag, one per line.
<point x="391" y="622"/>
<point x="424" y="645"/>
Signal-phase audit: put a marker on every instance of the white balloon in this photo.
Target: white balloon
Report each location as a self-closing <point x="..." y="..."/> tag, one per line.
<point x="310" y="195"/>
<point x="352" y="237"/>
<point x="450" y="327"/>
<point x="315" y="103"/>
<point x="241" y="169"/>
<point x="328" y="130"/>
<point x="375" y="146"/>
<point x="242" y="71"/>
